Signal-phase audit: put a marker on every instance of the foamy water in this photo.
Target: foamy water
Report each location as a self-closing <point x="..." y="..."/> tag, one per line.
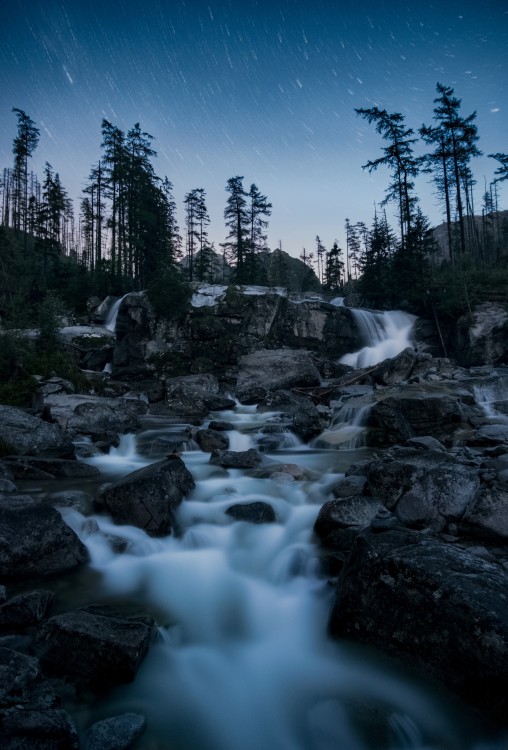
<point x="242" y="658"/>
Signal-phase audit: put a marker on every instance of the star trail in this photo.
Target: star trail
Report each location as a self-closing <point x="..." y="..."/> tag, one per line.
<point x="261" y="89"/>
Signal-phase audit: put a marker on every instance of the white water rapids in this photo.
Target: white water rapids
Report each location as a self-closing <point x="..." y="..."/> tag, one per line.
<point x="242" y="660"/>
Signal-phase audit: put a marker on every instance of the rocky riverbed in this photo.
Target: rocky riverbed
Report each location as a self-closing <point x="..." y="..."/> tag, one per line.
<point x="389" y="483"/>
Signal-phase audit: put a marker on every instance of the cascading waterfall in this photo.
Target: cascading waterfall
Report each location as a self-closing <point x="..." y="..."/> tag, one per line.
<point x="242" y="658"/>
<point x="110" y="322"/>
<point x="385" y="334"/>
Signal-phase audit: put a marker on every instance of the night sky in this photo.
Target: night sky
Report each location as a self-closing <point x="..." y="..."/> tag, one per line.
<point x="265" y="89"/>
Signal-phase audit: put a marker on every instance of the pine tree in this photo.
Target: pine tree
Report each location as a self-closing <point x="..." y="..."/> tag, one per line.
<point x="334" y="269"/>
<point x="236" y="215"/>
<point x="458" y="137"/>
<point x="399" y="157"/>
<point x="259" y="210"/>
<point x="24" y="145"/>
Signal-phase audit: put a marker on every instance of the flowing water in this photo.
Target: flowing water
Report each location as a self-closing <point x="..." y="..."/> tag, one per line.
<point x="242" y="660"/>
<point x="384" y="334"/>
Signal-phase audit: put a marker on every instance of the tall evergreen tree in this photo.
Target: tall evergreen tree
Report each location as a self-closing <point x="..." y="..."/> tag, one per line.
<point x="399" y="158"/>
<point x="334" y="269"/>
<point x="24" y="145"/>
<point x="236" y="215"/>
<point x="458" y="137"/>
<point x="259" y="210"/>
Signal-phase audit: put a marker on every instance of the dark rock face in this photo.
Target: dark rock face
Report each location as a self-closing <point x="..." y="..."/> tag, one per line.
<point x="35" y="542"/>
<point x="27" y="435"/>
<point x="345" y="512"/>
<point x="147" y="498"/>
<point x="30" y="713"/>
<point x="432" y="604"/>
<point x="24" y="610"/>
<point x="116" y="733"/>
<point x="210" y="440"/>
<point x="237" y="459"/>
<point x="193" y="395"/>
<point x="267" y="370"/>
<point x="95" y="645"/>
<point x="23" y="468"/>
<point x="95" y="415"/>
<point x="482" y="336"/>
<point x="395" y="369"/>
<point x="420" y="411"/>
<point x="487" y="517"/>
<point x="257" y="512"/>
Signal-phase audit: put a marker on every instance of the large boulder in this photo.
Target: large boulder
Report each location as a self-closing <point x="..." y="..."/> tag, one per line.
<point x="194" y="395"/>
<point x="395" y="369"/>
<point x="96" y="644"/>
<point x="487" y="517"/>
<point x="25" y="610"/>
<point x="256" y="512"/>
<point x="432" y="604"/>
<point x="482" y="336"/>
<point x="26" y="435"/>
<point x="424" y="488"/>
<point x="115" y="733"/>
<point x="96" y="415"/>
<point x="23" y="466"/>
<point x="237" y="459"/>
<point x="272" y="369"/>
<point x="35" y="542"/>
<point x="420" y="410"/>
<point x="148" y="498"/>
<point x="30" y="714"/>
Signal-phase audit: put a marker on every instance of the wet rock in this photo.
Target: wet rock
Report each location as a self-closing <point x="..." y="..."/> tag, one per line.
<point x="431" y="604"/>
<point x="24" y="610"/>
<point x="270" y="470"/>
<point x="395" y="369"/>
<point x="35" y="542"/>
<point x="237" y="459"/>
<point x="341" y="513"/>
<point x="116" y="733"/>
<point x="257" y="512"/>
<point x="7" y="486"/>
<point x="23" y="434"/>
<point x="271" y="369"/>
<point x="490" y="434"/>
<point x="421" y="411"/>
<point x="95" y="415"/>
<point x="193" y="395"/>
<point x="30" y="714"/>
<point x="425" y="443"/>
<point x="26" y="467"/>
<point x="147" y="498"/>
<point x="95" y="645"/>
<point x="350" y="486"/>
<point x="482" y="336"/>
<point x="307" y="421"/>
<point x="441" y="496"/>
<point x="391" y="479"/>
<point x="487" y="517"/>
<point x="3" y="594"/>
<point x="210" y="440"/>
<point x="220" y="425"/>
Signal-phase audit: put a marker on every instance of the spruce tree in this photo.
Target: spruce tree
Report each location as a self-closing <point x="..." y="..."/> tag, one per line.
<point x="236" y="215"/>
<point x="399" y="158"/>
<point x="24" y="145"/>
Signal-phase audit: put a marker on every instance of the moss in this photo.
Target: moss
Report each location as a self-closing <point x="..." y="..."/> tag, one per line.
<point x="92" y="342"/>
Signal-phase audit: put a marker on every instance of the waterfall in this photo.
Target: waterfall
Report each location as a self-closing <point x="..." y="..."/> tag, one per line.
<point x="110" y="322"/>
<point x="384" y="334"/>
<point x="347" y="430"/>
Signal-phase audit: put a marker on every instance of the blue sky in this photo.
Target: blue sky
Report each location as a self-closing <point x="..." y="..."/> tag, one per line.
<point x="262" y="89"/>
